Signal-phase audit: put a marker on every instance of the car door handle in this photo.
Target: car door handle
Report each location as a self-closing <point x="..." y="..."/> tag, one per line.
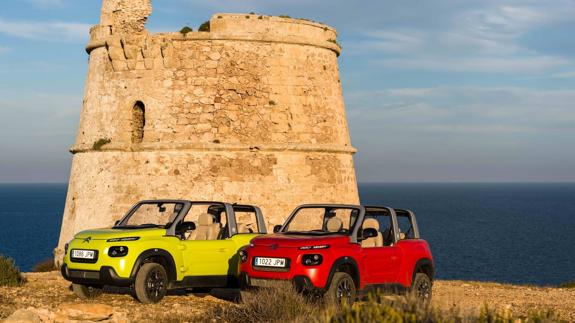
<point x="222" y="250"/>
<point x="181" y="247"/>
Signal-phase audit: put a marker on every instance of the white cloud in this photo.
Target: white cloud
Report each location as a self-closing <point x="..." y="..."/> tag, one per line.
<point x="50" y="31"/>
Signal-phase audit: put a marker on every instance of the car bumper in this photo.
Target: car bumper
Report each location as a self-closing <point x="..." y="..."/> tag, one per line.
<point x="301" y="283"/>
<point x="105" y="276"/>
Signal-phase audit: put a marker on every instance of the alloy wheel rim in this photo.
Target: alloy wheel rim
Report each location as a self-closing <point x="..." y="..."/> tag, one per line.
<point x="344" y="291"/>
<point x="423" y="290"/>
<point x="155" y="285"/>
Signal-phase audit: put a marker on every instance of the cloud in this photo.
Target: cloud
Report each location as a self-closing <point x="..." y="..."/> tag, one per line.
<point x="49" y="31"/>
<point x="463" y="134"/>
<point x="4" y="49"/>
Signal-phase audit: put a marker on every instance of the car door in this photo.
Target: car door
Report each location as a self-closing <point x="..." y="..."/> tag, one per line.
<point x="381" y="263"/>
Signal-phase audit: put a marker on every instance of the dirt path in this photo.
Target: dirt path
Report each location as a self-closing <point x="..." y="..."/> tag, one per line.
<point x="49" y="292"/>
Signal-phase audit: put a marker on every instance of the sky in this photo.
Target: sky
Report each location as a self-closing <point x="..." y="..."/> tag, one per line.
<point x="435" y="90"/>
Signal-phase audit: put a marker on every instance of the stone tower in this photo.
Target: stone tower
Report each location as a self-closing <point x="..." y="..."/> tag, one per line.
<point x="251" y="111"/>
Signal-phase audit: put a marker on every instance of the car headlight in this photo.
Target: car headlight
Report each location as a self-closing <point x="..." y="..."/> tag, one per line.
<point x="243" y="255"/>
<point x="312" y="260"/>
<point x="115" y="251"/>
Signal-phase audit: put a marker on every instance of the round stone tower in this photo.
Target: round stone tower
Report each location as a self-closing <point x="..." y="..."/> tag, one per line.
<point x="250" y="111"/>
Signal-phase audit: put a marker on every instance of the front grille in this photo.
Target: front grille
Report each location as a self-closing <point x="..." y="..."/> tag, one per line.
<point x="257" y="282"/>
<point x="84" y="274"/>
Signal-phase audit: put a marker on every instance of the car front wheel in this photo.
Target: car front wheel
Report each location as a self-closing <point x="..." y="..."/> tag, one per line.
<point x="341" y="289"/>
<point x="86" y="292"/>
<point x="151" y="283"/>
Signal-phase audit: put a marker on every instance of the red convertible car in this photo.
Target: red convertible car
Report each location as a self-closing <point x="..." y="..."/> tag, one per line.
<point x="342" y="251"/>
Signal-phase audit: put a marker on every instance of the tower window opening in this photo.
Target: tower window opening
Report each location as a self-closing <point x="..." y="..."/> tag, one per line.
<point x="138" y="122"/>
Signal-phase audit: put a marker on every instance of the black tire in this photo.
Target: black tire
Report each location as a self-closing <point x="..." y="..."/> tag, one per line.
<point x="341" y="289"/>
<point x="151" y="283"/>
<point x="421" y="288"/>
<point x="86" y="292"/>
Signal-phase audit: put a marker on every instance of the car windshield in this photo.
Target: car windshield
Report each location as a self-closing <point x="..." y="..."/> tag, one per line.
<point x="322" y="221"/>
<point x="152" y="215"/>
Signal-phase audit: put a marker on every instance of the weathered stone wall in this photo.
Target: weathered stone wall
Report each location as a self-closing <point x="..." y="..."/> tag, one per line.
<point x="249" y="112"/>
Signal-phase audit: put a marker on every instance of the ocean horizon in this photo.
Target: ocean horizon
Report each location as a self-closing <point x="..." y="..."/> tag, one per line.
<point x="520" y="233"/>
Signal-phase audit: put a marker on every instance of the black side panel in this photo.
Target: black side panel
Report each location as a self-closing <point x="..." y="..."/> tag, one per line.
<point x="344" y="261"/>
<point x="156" y="253"/>
<point x="206" y="281"/>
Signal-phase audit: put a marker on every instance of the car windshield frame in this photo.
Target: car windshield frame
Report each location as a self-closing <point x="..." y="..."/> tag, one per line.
<point x="352" y="230"/>
<point x="122" y="224"/>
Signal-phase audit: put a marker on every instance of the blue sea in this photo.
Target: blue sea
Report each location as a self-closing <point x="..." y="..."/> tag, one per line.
<point x="512" y="233"/>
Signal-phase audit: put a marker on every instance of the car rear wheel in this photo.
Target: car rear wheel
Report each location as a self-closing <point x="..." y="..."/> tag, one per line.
<point x="421" y="287"/>
<point x="86" y="292"/>
<point x="151" y="283"/>
<point x="341" y="289"/>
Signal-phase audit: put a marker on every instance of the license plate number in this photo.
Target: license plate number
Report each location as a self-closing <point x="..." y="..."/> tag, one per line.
<point x="83" y="254"/>
<point x="270" y="262"/>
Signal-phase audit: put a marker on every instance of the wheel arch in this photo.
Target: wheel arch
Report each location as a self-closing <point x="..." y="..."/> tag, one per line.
<point x="424" y="265"/>
<point x="156" y="255"/>
<point x="347" y="265"/>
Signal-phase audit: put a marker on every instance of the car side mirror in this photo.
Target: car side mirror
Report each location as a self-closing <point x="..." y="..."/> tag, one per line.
<point x="277" y="228"/>
<point x="186" y="226"/>
<point x="369" y="233"/>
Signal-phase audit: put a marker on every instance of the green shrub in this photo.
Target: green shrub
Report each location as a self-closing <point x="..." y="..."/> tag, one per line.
<point x="9" y="273"/>
<point x="44" y="266"/>
<point x="284" y="16"/>
<point x="186" y="30"/>
<point x="98" y="144"/>
<point x="570" y="284"/>
<point x="205" y="26"/>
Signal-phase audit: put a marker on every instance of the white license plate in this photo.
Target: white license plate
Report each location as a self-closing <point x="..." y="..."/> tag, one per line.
<point x="83" y="254"/>
<point x="270" y="262"/>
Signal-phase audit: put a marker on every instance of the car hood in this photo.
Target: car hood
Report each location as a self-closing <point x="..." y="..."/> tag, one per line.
<point x="105" y="234"/>
<point x="292" y="240"/>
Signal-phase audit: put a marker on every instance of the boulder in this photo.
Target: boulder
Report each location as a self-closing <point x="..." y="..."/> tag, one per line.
<point x="23" y="316"/>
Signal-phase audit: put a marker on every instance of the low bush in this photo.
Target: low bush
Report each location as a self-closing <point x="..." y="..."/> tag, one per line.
<point x="44" y="266"/>
<point x="186" y="30"/>
<point x="205" y="26"/>
<point x="570" y="284"/>
<point x="269" y="305"/>
<point x="9" y="273"/>
<point x="286" y="305"/>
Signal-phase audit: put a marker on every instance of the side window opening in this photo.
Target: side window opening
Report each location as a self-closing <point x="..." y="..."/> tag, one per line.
<point x="405" y="226"/>
<point x="384" y="225"/>
<point x="138" y="122"/>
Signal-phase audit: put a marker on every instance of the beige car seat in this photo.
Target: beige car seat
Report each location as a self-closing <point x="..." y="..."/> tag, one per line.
<point x="373" y="241"/>
<point x="246" y="228"/>
<point x="334" y="224"/>
<point x="206" y="228"/>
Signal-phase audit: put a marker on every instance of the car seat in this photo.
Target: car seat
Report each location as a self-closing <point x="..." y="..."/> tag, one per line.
<point x="373" y="241"/>
<point x="334" y="224"/>
<point x="206" y="228"/>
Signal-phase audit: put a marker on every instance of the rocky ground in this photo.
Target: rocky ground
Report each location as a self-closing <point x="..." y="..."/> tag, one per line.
<point x="46" y="297"/>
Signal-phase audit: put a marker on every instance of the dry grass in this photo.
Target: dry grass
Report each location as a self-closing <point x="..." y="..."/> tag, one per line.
<point x="286" y="305"/>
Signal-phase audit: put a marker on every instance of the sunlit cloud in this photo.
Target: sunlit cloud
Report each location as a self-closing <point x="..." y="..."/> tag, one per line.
<point x="48" y="31"/>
